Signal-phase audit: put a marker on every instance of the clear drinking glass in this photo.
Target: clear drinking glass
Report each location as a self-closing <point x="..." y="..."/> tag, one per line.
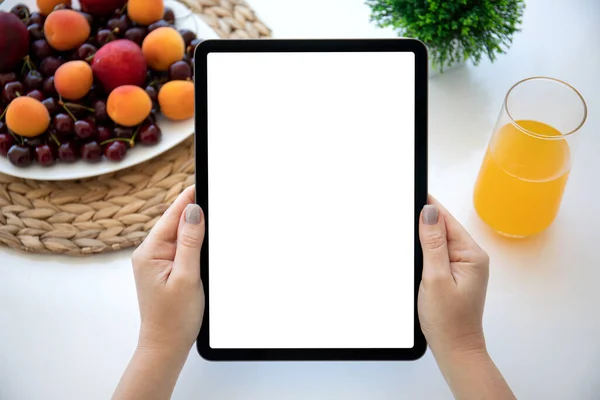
<point x="523" y="175"/>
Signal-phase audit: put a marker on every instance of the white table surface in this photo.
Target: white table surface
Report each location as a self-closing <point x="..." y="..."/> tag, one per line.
<point x="68" y="326"/>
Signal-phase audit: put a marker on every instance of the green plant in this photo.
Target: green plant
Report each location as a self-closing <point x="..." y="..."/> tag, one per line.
<point x="453" y="30"/>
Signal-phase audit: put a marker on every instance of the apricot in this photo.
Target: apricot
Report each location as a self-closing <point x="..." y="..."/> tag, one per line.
<point x="176" y="100"/>
<point x="145" y="12"/>
<point x="162" y="47"/>
<point x="73" y="80"/>
<point x="27" y="117"/>
<point x="47" y="6"/>
<point x="66" y="29"/>
<point x="128" y="105"/>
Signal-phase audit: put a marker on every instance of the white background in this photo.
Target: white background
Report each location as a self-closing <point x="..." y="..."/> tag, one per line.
<point x="68" y="326"/>
<point x="311" y="196"/>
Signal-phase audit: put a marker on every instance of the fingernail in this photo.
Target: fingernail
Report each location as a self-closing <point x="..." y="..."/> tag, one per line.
<point x="430" y="215"/>
<point x="192" y="214"/>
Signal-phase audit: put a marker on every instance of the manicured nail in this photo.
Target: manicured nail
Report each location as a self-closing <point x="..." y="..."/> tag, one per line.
<point x="430" y="215"/>
<point x="192" y="214"/>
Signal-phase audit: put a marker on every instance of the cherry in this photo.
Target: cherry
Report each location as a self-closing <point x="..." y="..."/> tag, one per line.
<point x="41" y="49"/>
<point x="43" y="155"/>
<point x="51" y="105"/>
<point x="34" y="80"/>
<point x="96" y="93"/>
<point x="152" y="92"/>
<point x="36" y="31"/>
<point x="13" y="90"/>
<point x="85" y="51"/>
<point x="100" y="110"/>
<point x="21" y="11"/>
<point x="91" y="152"/>
<point x="85" y="129"/>
<point x="187" y="59"/>
<point x="149" y="134"/>
<point x="136" y="34"/>
<point x="169" y="16"/>
<point x="48" y="87"/>
<point x="63" y="123"/>
<point x="19" y="155"/>
<point x="103" y="36"/>
<point x="180" y="71"/>
<point x="115" y="151"/>
<point x="68" y="152"/>
<point x="187" y="36"/>
<point x="118" y="25"/>
<point x="49" y="65"/>
<point x="123" y="133"/>
<point x="36" y="18"/>
<point x="35" y="141"/>
<point x="158" y="24"/>
<point x="6" y="142"/>
<point x="36" y="94"/>
<point x="103" y="134"/>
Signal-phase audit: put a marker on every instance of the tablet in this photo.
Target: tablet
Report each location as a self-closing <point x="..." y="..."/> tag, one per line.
<point x="311" y="168"/>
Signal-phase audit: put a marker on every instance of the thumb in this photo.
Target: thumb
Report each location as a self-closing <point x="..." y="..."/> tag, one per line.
<point x="189" y="243"/>
<point x="434" y="242"/>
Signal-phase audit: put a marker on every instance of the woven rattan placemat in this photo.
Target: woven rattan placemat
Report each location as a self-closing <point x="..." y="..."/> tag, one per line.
<point x="112" y="211"/>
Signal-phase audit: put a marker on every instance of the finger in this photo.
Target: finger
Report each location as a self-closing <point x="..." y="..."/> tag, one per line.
<point x="432" y="233"/>
<point x="189" y="243"/>
<point x="454" y="229"/>
<point x="165" y="229"/>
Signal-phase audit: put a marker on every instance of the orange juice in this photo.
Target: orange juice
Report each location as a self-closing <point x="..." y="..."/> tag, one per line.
<point x="522" y="179"/>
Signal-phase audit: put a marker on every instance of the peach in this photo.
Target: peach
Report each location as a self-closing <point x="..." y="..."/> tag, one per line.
<point x="101" y="7"/>
<point x="162" y="47"/>
<point x="14" y="41"/>
<point x="27" y="117"/>
<point x="73" y="80"/>
<point x="47" y="6"/>
<point x="119" y="63"/>
<point x="66" y="29"/>
<point x="128" y="105"/>
<point x="145" y="12"/>
<point x="176" y="100"/>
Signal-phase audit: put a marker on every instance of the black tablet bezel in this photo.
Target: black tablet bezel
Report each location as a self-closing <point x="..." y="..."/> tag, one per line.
<point x="421" y="111"/>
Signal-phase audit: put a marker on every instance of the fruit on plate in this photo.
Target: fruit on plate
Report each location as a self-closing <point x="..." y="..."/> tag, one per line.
<point x="128" y="105"/>
<point x="73" y="80"/>
<point x="47" y="6"/>
<point x="119" y="63"/>
<point x="149" y="134"/>
<point x="145" y="12"/>
<point x="163" y="47"/>
<point x="27" y="117"/>
<point x="66" y="29"/>
<point x="101" y="7"/>
<point x="19" y="155"/>
<point x="76" y="85"/>
<point x="14" y="41"/>
<point x="176" y="99"/>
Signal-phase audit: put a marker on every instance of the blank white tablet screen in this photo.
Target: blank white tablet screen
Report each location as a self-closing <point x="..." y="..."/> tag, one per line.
<point x="311" y="200"/>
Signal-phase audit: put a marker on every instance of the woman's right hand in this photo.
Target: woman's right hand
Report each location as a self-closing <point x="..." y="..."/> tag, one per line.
<point x="454" y="284"/>
<point x="451" y="302"/>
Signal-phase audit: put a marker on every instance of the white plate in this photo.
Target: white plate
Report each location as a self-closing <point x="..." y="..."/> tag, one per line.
<point x="173" y="133"/>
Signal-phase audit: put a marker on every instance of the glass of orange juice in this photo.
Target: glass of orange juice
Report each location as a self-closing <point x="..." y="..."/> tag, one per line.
<point x="527" y="163"/>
